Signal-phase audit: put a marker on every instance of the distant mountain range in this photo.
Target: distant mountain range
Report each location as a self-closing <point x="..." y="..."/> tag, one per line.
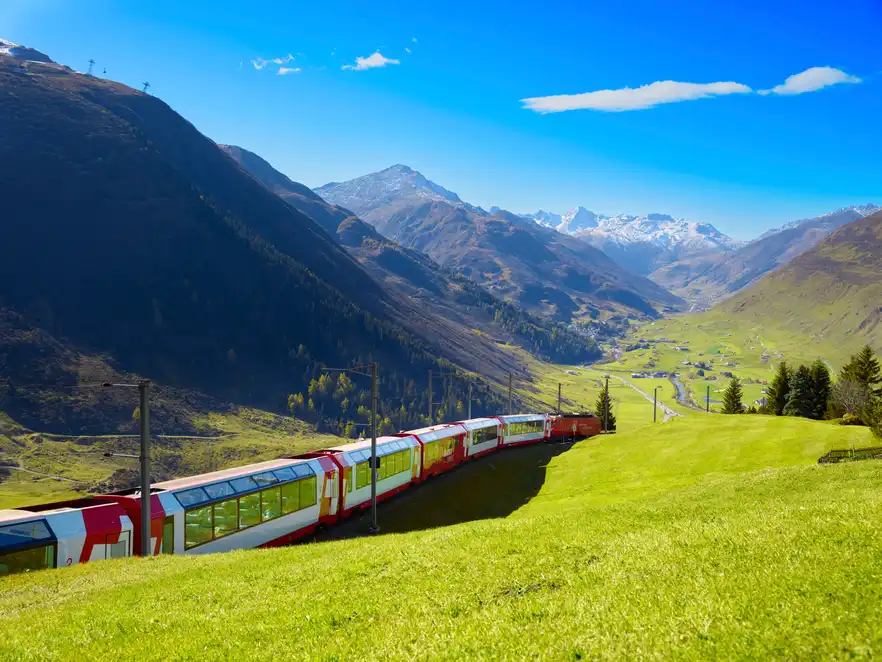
<point x="832" y="292"/>
<point x="706" y="278"/>
<point x="539" y="268"/>
<point x="640" y="243"/>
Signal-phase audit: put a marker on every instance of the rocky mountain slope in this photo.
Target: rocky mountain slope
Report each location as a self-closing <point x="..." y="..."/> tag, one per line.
<point x="831" y="292"/>
<point x="640" y="243"/>
<point x="706" y="278"/>
<point x="458" y="305"/>
<point x="540" y="269"/>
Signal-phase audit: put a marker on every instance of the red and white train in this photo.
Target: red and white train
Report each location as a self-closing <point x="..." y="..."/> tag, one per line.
<point x="266" y="504"/>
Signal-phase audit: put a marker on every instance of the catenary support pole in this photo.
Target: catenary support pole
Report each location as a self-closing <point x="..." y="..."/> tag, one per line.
<point x="707" y="400"/>
<point x="374" y="394"/>
<point x="606" y="404"/>
<point x="430" y="397"/>
<point x="558" y="397"/>
<point x="145" y="469"/>
<point x="510" y="377"/>
<point x="470" y="401"/>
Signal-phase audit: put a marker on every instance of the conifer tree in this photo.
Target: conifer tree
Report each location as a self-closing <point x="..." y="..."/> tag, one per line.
<point x="779" y="390"/>
<point x="800" y="401"/>
<point x="604" y="405"/>
<point x="864" y="369"/>
<point x="822" y="387"/>
<point x="732" y="398"/>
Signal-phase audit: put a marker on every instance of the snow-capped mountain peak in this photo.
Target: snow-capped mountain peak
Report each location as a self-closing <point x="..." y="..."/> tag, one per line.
<point x="22" y="52"/>
<point x="378" y="187"/>
<point x="833" y="219"/>
<point x="578" y="219"/>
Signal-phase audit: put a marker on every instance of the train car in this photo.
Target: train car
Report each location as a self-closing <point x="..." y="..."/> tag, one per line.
<point x="399" y="459"/>
<point x="442" y="447"/>
<point x="62" y="534"/>
<point x="525" y="429"/>
<point x="260" y="505"/>
<point x="484" y="436"/>
<point x="575" y="426"/>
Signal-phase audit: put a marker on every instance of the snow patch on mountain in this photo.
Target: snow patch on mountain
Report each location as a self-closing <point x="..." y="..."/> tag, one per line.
<point x="661" y="230"/>
<point x="379" y="188"/>
<point x="22" y="52"/>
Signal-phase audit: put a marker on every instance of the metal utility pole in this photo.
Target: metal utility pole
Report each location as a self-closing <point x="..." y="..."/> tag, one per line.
<point x="509" y="393"/>
<point x="470" y="402"/>
<point x="655" y="404"/>
<point x="374" y="528"/>
<point x="145" y="469"/>
<point x="558" y="397"/>
<point x="606" y="405"/>
<point x="91" y="64"/>
<point x="144" y="457"/>
<point x="430" y="397"/>
<point x="707" y="400"/>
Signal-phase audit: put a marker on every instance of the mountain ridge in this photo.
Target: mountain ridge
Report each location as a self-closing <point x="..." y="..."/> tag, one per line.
<point x="542" y="270"/>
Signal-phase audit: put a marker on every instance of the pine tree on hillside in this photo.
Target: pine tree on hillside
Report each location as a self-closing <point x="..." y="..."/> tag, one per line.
<point x="800" y="401"/>
<point x="604" y="405"/>
<point x="864" y="368"/>
<point x="822" y="387"/>
<point x="732" y="398"/>
<point x="779" y="390"/>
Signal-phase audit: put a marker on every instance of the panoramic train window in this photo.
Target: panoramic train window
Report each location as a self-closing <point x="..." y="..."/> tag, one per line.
<point x="271" y="504"/>
<point x="220" y="490"/>
<point x="168" y="535"/>
<point x="226" y="517"/>
<point x="26" y="560"/>
<point x="483" y="435"/>
<point x="527" y="427"/>
<point x="307" y="492"/>
<point x="197" y="527"/>
<point x="390" y="465"/>
<point x="249" y="510"/>
<point x="290" y="498"/>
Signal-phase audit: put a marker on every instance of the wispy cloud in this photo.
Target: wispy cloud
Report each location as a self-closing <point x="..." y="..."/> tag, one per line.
<point x="375" y="61"/>
<point x="260" y="63"/>
<point x="669" y="91"/>
<point x="413" y="39"/>
<point x="284" y="71"/>
<point x="627" y="98"/>
<point x="812" y="80"/>
<point x="407" y="50"/>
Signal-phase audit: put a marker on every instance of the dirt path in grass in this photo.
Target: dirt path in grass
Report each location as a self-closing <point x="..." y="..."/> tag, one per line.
<point x="668" y="412"/>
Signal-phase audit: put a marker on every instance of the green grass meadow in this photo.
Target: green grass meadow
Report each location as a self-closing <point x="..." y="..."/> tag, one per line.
<point x="707" y="537"/>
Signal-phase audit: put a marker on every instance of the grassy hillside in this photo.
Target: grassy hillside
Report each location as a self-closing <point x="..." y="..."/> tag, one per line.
<point x="831" y="294"/>
<point x="714" y="537"/>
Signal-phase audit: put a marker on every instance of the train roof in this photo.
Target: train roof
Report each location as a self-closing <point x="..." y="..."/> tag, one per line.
<point x="522" y="418"/>
<point x="47" y="509"/>
<point x="361" y="444"/>
<point x="479" y="423"/>
<point x="435" y="432"/>
<point x="226" y="474"/>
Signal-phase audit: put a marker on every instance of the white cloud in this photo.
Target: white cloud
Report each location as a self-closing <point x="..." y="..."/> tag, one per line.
<point x="284" y="71"/>
<point x="812" y="80"/>
<point x="646" y="96"/>
<point x="407" y="50"/>
<point x="260" y="63"/>
<point x="414" y="39"/>
<point x="374" y="61"/>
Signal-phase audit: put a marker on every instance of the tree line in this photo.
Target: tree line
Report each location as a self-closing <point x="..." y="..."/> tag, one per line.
<point x="808" y="391"/>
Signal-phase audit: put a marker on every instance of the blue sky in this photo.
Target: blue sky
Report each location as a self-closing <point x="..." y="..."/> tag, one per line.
<point x="452" y="106"/>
